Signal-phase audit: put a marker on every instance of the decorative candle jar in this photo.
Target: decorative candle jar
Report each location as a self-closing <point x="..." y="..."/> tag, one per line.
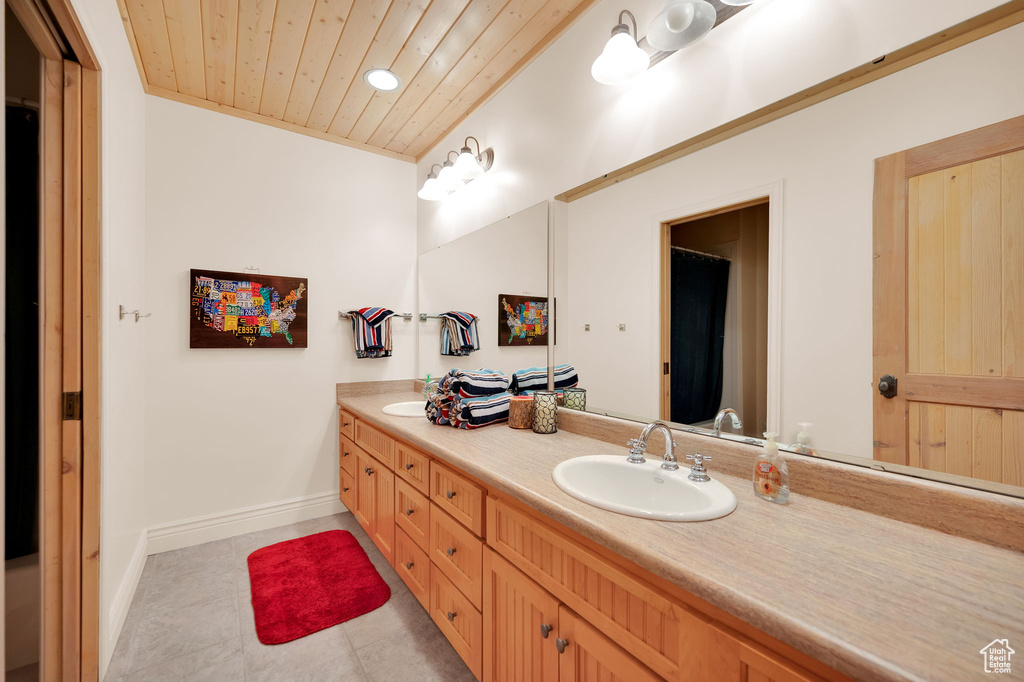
<point x="576" y="398"/>
<point x="520" y="412"/>
<point x="545" y="412"/>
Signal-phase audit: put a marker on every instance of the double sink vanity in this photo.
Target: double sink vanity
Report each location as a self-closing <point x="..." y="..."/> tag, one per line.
<point x="512" y="542"/>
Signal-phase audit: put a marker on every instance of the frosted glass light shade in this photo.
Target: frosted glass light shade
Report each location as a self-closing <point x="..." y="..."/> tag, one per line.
<point x="621" y="60"/>
<point x="382" y="79"/>
<point x="466" y="166"/>
<point x="432" y="189"/>
<point x="681" y="23"/>
<point x="737" y="3"/>
<point x="448" y="178"/>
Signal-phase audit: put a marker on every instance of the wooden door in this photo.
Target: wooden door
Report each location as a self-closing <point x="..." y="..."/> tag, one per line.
<point x="383" y="522"/>
<point x="589" y="656"/>
<point x="520" y="625"/>
<point x="365" y="491"/>
<point x="949" y="304"/>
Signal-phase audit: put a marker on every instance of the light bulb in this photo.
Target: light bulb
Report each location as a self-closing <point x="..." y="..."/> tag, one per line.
<point x="448" y="178"/>
<point x="680" y="24"/>
<point x="621" y="60"/>
<point x="432" y="189"/>
<point x="466" y="166"/>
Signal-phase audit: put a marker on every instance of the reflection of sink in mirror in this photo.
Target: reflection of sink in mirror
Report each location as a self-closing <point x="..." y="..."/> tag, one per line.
<point x="644" y="490"/>
<point x="413" y="408"/>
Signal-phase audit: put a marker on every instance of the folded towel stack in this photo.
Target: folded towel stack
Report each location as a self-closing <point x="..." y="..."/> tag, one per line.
<point x="371" y="332"/>
<point x="469" y="399"/>
<point x="526" y="381"/>
<point x="458" y="333"/>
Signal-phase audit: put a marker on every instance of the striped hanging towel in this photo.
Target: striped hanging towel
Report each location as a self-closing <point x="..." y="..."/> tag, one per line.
<point x="371" y="332"/>
<point x="458" y="333"/>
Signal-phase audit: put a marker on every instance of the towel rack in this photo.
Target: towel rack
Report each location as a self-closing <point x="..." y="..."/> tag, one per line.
<point x="346" y="316"/>
<point x="424" y="317"/>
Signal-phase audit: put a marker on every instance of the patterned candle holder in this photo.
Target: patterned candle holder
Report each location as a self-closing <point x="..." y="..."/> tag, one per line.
<point x="545" y="412"/>
<point x="576" y="399"/>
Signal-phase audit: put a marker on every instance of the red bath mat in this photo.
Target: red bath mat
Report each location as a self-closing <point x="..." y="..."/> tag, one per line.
<point x="308" y="584"/>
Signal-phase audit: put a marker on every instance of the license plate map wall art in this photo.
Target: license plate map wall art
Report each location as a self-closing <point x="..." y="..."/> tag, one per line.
<point x="522" y="320"/>
<point x="243" y="310"/>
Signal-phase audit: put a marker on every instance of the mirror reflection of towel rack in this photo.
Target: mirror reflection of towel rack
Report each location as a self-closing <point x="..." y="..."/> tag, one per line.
<point x="346" y="316"/>
<point x="123" y="312"/>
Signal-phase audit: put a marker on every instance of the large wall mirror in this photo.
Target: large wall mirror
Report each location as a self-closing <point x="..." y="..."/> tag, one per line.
<point x="493" y="274"/>
<point x="785" y="272"/>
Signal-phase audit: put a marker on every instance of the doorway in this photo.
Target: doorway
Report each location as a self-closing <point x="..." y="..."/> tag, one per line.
<point x="715" y="316"/>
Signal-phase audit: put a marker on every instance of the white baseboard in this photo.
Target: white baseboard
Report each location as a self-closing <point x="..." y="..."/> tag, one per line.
<point x="123" y="601"/>
<point x="200" y="529"/>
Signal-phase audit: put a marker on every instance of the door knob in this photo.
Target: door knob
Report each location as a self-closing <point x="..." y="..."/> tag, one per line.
<point x="408" y="466"/>
<point x="408" y="564"/>
<point x="408" y="512"/>
<point x="451" y="551"/>
<point x="451" y="616"/>
<point x="560" y="644"/>
<point x="450" y="494"/>
<point x="887" y="386"/>
<point x="545" y="630"/>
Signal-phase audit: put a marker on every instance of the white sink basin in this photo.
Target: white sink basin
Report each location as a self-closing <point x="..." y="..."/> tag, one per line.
<point x="644" y="490"/>
<point x="413" y="408"/>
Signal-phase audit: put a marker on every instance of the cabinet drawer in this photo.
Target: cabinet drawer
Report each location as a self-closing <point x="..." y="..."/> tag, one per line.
<point x="457" y="496"/>
<point x="615" y="602"/>
<point x="413" y="466"/>
<point x="347" y="455"/>
<point x="458" y="620"/>
<point x="346" y="423"/>
<point x="458" y="553"/>
<point x="413" y="567"/>
<point x="346" y="489"/>
<point x="376" y="442"/>
<point x="412" y="513"/>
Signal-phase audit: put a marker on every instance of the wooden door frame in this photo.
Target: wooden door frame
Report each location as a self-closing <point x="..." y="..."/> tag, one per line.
<point x="69" y="449"/>
<point x="772" y="195"/>
<point x="889" y="279"/>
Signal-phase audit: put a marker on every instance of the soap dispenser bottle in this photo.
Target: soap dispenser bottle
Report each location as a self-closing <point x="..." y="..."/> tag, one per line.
<point x="803" y="439"/>
<point x="771" y="474"/>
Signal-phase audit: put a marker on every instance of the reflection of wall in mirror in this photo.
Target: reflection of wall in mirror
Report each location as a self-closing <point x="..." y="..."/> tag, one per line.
<point x="468" y="274"/>
<point x="825" y="157"/>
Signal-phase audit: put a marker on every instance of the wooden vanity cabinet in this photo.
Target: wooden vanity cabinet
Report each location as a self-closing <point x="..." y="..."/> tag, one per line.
<point x="375" y="502"/>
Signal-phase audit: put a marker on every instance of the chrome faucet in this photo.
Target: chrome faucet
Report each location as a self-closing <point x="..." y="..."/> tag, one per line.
<point x="736" y="423"/>
<point x="638" y="446"/>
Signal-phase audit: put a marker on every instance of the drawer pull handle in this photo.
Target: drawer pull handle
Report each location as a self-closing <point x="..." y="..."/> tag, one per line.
<point x="344" y="490"/>
<point x="450" y="494"/>
<point x="451" y="551"/>
<point x="560" y="644"/>
<point x="369" y="472"/>
<point x="344" y="454"/>
<point x="408" y="512"/>
<point x="545" y="630"/>
<point x="344" y="424"/>
<point x="408" y="564"/>
<point x="408" y="466"/>
<point x="366" y="470"/>
<point x="451" y="616"/>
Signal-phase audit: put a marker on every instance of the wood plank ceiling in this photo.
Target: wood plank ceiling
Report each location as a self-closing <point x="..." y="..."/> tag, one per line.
<point x="299" y="64"/>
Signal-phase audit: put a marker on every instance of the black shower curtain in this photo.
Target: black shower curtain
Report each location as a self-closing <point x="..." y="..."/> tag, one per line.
<point x="700" y="286"/>
<point x="21" y="405"/>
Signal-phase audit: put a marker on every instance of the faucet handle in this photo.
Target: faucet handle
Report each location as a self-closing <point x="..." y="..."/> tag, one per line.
<point x="698" y="458"/>
<point x="636" y="451"/>
<point x="698" y="472"/>
<point x="636" y="444"/>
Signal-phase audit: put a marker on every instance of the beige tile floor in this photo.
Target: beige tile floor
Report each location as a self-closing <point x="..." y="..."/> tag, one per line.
<point x="191" y="619"/>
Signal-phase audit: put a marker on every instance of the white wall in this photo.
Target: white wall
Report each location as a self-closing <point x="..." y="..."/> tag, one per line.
<point x="122" y="502"/>
<point x="553" y="127"/>
<point x="233" y="429"/>
<point x="824" y="156"/>
<point x="468" y="274"/>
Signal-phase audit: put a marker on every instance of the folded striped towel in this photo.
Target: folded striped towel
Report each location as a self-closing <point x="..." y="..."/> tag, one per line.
<point x="371" y="332"/>
<point x="458" y="333"/>
<point x="472" y="413"/>
<point x="475" y="383"/>
<point x="526" y="381"/>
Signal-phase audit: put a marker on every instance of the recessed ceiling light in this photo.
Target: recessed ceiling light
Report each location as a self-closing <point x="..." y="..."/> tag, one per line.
<point x="382" y="79"/>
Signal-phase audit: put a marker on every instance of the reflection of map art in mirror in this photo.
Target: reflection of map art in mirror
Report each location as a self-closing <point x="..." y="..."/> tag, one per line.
<point x="522" y="320"/>
<point x="242" y="310"/>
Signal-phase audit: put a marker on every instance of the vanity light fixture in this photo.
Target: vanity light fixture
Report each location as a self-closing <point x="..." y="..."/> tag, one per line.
<point x="622" y="58"/>
<point x="448" y="177"/>
<point x="737" y="3"/>
<point x="681" y="23"/>
<point x="469" y="166"/>
<point x="384" y="80"/>
<point x="432" y="190"/>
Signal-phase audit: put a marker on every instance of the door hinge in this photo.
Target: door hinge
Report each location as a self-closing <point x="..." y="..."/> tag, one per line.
<point x="73" y="406"/>
<point x="665" y="369"/>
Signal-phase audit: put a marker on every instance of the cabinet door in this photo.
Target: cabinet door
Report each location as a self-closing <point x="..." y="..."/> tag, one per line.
<point x="383" y="524"/>
<point x="346" y="489"/>
<point x="364" y="485"/>
<point x="520" y="625"/>
<point x="589" y="656"/>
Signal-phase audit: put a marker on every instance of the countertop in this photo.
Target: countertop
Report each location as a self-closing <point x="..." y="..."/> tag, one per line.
<point x="871" y="597"/>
